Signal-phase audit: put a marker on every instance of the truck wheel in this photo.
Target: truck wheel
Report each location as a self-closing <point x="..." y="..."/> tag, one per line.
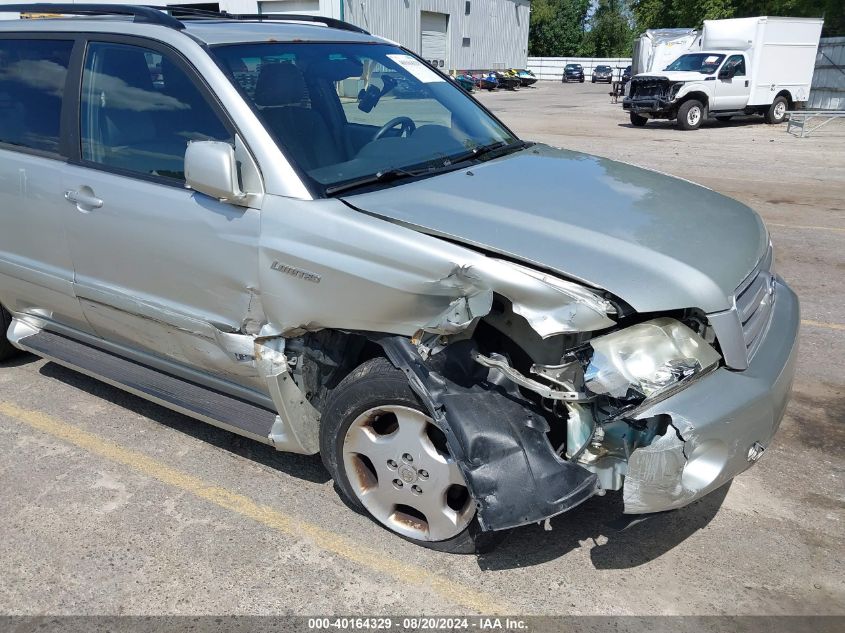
<point x="777" y="111"/>
<point x="388" y="459"/>
<point x="7" y="350"/>
<point x="691" y="114"/>
<point x="638" y="120"/>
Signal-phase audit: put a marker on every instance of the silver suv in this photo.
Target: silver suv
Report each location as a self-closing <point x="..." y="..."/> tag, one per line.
<point x="299" y="232"/>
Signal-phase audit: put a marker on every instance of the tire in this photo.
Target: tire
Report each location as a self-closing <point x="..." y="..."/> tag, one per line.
<point x="7" y="350"/>
<point x="691" y="114"/>
<point x="724" y="119"/>
<point x="777" y="111"/>
<point x="594" y="81"/>
<point x="581" y="80"/>
<point x="637" y="120"/>
<point x="376" y="400"/>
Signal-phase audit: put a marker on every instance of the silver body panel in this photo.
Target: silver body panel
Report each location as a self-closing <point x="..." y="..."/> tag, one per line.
<point x="213" y="292"/>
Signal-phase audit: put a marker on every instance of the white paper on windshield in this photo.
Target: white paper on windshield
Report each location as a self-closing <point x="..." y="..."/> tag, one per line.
<point x="416" y="68"/>
<point x="712" y="59"/>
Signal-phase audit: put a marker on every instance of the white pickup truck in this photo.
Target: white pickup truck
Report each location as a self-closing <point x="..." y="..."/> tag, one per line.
<point x="736" y="67"/>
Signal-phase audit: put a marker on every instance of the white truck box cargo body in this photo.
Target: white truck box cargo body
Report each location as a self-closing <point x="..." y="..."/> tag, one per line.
<point x="781" y="52"/>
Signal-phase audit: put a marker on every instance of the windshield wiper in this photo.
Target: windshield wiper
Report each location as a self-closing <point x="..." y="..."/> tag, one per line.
<point x="386" y="175"/>
<point x="499" y="148"/>
<point x="397" y="173"/>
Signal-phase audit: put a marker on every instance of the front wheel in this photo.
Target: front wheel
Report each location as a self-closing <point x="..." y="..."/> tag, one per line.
<point x="7" y="350"/>
<point x="691" y="114"/>
<point x="777" y="111"/>
<point x="638" y="120"/>
<point x="389" y="459"/>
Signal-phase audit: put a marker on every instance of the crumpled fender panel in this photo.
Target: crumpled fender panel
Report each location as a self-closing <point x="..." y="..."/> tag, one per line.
<point x="499" y="443"/>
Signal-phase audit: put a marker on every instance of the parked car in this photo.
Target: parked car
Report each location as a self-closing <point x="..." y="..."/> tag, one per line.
<point x="573" y="72"/>
<point x="626" y="74"/>
<point x="348" y="275"/>
<point x="602" y="73"/>
<point x="768" y="77"/>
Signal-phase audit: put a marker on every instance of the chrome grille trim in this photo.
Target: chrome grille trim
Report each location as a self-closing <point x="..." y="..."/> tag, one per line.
<point x="754" y="300"/>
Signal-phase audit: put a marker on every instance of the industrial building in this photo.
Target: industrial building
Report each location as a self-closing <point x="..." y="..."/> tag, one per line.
<point x="454" y="35"/>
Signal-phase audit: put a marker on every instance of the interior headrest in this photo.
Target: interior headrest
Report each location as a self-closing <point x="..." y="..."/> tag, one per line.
<point x="280" y="84"/>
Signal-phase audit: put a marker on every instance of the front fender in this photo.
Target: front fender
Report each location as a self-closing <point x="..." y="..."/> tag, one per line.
<point x="691" y="88"/>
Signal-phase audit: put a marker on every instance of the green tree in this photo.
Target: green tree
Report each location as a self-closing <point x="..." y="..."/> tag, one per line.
<point x="557" y="27"/>
<point x="611" y="31"/>
<point x="652" y="14"/>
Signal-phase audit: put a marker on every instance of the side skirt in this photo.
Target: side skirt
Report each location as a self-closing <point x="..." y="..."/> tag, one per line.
<point x="178" y="394"/>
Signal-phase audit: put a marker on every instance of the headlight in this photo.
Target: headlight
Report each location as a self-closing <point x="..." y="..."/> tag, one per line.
<point x="647" y="360"/>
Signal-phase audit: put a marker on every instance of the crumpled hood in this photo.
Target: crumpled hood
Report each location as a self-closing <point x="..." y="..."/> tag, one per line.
<point x="657" y="242"/>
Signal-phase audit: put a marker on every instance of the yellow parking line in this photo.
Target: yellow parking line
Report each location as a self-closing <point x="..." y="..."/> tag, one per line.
<point x="807" y="226"/>
<point x="291" y="526"/>
<point x="829" y="326"/>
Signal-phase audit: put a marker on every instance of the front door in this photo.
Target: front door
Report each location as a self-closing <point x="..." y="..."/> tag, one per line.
<point x="732" y="93"/>
<point x="159" y="268"/>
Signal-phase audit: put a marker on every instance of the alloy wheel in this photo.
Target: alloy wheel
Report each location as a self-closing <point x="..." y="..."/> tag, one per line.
<point x="398" y="464"/>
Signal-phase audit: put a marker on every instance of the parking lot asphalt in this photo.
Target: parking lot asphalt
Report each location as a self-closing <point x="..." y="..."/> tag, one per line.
<point x="113" y="505"/>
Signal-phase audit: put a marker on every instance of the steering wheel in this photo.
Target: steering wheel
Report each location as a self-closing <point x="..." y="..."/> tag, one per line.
<point x="407" y="127"/>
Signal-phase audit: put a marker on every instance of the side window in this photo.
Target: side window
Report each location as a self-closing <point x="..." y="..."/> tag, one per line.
<point x="738" y="62"/>
<point x="139" y="110"/>
<point x="32" y="81"/>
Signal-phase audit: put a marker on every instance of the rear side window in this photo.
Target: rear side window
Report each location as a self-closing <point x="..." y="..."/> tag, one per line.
<point x="32" y="81"/>
<point x="139" y="110"/>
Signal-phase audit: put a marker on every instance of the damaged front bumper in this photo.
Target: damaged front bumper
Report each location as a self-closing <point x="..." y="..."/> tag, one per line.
<point x="653" y="106"/>
<point x="719" y="425"/>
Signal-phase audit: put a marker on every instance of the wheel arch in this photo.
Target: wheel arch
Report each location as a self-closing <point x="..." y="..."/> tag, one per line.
<point x="786" y="94"/>
<point x="698" y="95"/>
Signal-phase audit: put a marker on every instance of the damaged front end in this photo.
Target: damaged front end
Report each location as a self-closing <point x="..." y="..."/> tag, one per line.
<point x="531" y="447"/>
<point x="654" y="96"/>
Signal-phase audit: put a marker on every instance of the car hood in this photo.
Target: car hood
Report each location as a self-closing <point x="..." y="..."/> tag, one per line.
<point x="656" y="242"/>
<point x="676" y="75"/>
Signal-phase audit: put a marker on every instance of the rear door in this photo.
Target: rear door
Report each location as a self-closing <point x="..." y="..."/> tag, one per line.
<point x="732" y="93"/>
<point x="159" y="268"/>
<point x="36" y="272"/>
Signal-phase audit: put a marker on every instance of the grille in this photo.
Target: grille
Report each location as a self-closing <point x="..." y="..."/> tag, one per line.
<point x="649" y="87"/>
<point x="754" y="303"/>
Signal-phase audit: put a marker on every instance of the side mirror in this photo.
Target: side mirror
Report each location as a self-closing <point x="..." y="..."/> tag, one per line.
<point x="210" y="168"/>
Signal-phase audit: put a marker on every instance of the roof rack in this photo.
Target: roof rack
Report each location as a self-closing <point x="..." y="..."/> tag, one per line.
<point x="146" y="15"/>
<point x="332" y="23"/>
<point x="165" y="15"/>
<point x="204" y="14"/>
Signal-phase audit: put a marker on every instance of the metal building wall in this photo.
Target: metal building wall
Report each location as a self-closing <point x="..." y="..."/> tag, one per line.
<point x="828" y="89"/>
<point x="497" y="29"/>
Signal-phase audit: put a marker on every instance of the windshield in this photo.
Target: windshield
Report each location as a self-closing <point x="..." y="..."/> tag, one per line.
<point x="344" y="111"/>
<point x="603" y="69"/>
<point x="706" y="63"/>
<point x="573" y="67"/>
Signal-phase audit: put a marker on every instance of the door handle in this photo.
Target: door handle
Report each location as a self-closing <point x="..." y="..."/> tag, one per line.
<point x="82" y="199"/>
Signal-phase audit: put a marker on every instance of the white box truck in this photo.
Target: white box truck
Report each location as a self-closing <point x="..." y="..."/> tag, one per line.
<point x="741" y="66"/>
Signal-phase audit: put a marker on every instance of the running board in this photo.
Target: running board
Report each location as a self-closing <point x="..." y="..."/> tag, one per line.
<point x="177" y="394"/>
